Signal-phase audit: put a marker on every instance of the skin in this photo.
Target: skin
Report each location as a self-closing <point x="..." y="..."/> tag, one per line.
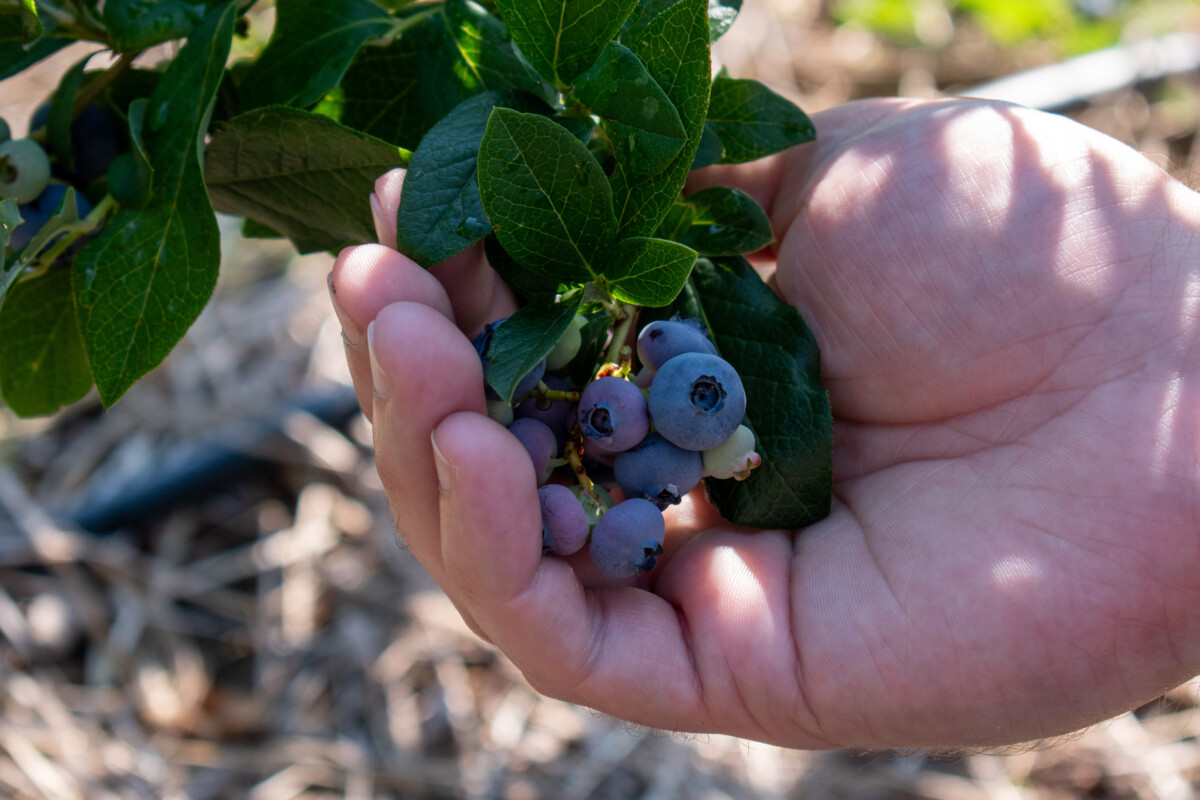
<point x="1008" y="306"/>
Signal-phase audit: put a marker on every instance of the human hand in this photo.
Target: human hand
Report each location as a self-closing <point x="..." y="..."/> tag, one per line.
<point x="1008" y="307"/>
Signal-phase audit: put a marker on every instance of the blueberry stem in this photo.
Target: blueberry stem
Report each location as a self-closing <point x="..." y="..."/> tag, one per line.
<point x="554" y="395"/>
<point x="574" y="456"/>
<point x="621" y="334"/>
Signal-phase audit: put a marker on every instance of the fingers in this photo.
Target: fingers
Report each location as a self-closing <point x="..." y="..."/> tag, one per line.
<point x="476" y="294"/>
<point x="475" y="291"/>
<point x="617" y="649"/>
<point x="773" y="182"/>
<point x="423" y="370"/>
<point x="364" y="280"/>
<point x="385" y="202"/>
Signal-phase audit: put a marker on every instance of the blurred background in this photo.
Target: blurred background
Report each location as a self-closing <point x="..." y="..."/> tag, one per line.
<point x="202" y="596"/>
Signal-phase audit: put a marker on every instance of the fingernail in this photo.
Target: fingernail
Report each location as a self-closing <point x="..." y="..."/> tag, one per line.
<point x="351" y="333"/>
<point x="382" y="382"/>
<point x="445" y="470"/>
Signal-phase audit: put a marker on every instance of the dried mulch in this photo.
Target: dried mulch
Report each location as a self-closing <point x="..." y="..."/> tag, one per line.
<point x="271" y="639"/>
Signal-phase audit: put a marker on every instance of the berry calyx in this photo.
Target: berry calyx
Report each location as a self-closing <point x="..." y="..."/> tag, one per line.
<point x="24" y="170"/>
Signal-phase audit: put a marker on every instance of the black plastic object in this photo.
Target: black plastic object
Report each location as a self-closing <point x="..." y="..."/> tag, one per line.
<point x="201" y="468"/>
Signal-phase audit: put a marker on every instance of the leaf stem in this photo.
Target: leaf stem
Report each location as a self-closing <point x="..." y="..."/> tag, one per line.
<point x="102" y="82"/>
<point x="74" y="232"/>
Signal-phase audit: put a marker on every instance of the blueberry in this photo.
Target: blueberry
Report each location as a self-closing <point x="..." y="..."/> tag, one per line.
<point x="483" y="343"/>
<point x="5" y="131"/>
<point x="697" y="401"/>
<point x="555" y="413"/>
<point x="564" y="522"/>
<point x="661" y="341"/>
<point x="24" y="170"/>
<point x="94" y="141"/>
<point x="733" y="458"/>
<point x="34" y="220"/>
<point x="628" y="539"/>
<point x="49" y="201"/>
<point x="538" y="440"/>
<point x="568" y="346"/>
<point x="612" y="413"/>
<point x="658" y="471"/>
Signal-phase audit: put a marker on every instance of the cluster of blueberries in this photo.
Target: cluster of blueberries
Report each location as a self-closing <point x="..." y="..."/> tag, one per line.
<point x="39" y="184"/>
<point x="655" y="437"/>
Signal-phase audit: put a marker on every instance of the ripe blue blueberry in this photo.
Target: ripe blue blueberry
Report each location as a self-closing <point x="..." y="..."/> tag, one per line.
<point x="557" y="414"/>
<point x="628" y="539"/>
<point x="33" y="222"/>
<point x="94" y="142"/>
<point x="538" y="440"/>
<point x="661" y="341"/>
<point x="697" y="401"/>
<point x="658" y="471"/>
<point x="612" y="413"/>
<point x="564" y="522"/>
<point x="483" y="343"/>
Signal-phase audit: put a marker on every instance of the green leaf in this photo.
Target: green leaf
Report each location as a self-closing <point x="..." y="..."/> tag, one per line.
<point x="752" y="121"/>
<point x="31" y="26"/>
<point x="300" y="173"/>
<point x="721" y="16"/>
<point x="648" y="272"/>
<point x="58" y="118"/>
<point x="581" y="126"/>
<point x="440" y="211"/>
<point x="10" y="220"/>
<point x="443" y="56"/>
<point x="135" y="25"/>
<point x="674" y="48"/>
<point x="562" y="38"/>
<point x="313" y="44"/>
<point x="63" y="220"/>
<point x="42" y="362"/>
<point x="528" y="285"/>
<point x="256" y="230"/>
<point x="777" y="358"/>
<point x="525" y="339"/>
<point x="718" y="221"/>
<point x="398" y="92"/>
<point x="143" y="281"/>
<point x="642" y="123"/>
<point x="131" y="175"/>
<point x="710" y="150"/>
<point x="15" y="57"/>
<point x="546" y="196"/>
<point x="484" y="50"/>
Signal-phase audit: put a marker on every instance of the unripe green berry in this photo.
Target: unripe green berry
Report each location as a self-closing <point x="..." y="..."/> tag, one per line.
<point x="500" y="411"/>
<point x="568" y="346"/>
<point x="5" y="131"/>
<point x="734" y="458"/>
<point x="24" y="170"/>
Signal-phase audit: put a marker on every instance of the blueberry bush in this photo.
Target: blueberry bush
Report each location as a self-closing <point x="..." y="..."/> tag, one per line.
<point x="559" y="133"/>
